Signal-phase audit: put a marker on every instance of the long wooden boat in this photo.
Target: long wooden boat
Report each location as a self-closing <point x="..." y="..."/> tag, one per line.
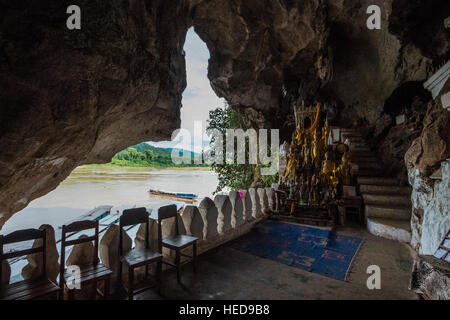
<point x="186" y="197"/>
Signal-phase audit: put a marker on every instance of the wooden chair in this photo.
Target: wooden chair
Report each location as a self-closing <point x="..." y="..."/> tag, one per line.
<point x="90" y="273"/>
<point x="177" y="242"/>
<point x="137" y="257"/>
<point x="27" y="289"/>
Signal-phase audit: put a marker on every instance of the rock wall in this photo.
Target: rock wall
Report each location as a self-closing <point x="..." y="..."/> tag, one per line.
<point x="71" y="97"/>
<point x="428" y="155"/>
<point x="431" y="210"/>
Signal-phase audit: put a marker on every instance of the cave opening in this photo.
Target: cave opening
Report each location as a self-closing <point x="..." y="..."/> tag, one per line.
<point x="126" y="179"/>
<point x="364" y="156"/>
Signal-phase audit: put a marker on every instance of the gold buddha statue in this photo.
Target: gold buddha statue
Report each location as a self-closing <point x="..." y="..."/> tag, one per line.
<point x="326" y="131"/>
<point x="319" y="148"/>
<point x="328" y="166"/>
<point x="292" y="160"/>
<point x="344" y="170"/>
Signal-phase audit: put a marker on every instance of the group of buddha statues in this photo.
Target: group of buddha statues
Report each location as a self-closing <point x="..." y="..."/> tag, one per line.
<point x="316" y="169"/>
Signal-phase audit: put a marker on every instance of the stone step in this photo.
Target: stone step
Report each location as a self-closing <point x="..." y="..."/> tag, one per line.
<point x="386" y="199"/>
<point x="399" y="230"/>
<point x="352" y="134"/>
<point x="366" y="164"/>
<point x="369" y="166"/>
<point x="362" y="154"/>
<point x="384" y="189"/>
<point x="387" y="212"/>
<point x="361" y="172"/>
<point x="358" y="144"/>
<point x="369" y="159"/>
<point x="354" y="138"/>
<point x="380" y="181"/>
<point x="349" y="130"/>
<point x="360" y="150"/>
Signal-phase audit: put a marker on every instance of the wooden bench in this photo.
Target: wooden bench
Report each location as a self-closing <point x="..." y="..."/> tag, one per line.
<point x="90" y="273"/>
<point x="177" y="242"/>
<point x="27" y="289"/>
<point x="137" y="257"/>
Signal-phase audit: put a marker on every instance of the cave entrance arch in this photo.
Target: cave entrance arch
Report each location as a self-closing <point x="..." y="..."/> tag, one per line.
<point x="103" y="182"/>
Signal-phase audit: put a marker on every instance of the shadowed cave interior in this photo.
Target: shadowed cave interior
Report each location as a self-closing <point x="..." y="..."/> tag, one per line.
<point x="75" y="97"/>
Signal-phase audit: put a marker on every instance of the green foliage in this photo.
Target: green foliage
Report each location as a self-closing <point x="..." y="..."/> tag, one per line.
<point x="145" y="155"/>
<point x="234" y="176"/>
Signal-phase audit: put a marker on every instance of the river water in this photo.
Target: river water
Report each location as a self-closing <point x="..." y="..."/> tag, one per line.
<point x="122" y="187"/>
<point x="88" y="187"/>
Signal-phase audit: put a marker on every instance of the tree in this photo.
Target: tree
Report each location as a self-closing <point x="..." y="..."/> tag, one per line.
<point x="149" y="155"/>
<point x="234" y="176"/>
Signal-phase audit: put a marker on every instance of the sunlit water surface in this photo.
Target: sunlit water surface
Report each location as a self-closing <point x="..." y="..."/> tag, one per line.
<point x="91" y="186"/>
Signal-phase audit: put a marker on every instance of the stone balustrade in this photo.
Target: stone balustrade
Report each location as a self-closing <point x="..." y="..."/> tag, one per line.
<point x="33" y="269"/>
<point x="210" y="215"/>
<point x="223" y="205"/>
<point x="109" y="250"/>
<point x="247" y="202"/>
<point x="213" y="222"/>
<point x="256" y="204"/>
<point x="193" y="222"/>
<point x="237" y="213"/>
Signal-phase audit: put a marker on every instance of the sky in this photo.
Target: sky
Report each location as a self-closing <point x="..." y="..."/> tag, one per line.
<point x="198" y="98"/>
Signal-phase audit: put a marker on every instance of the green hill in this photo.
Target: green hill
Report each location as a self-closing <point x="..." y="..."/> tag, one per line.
<point x="145" y="155"/>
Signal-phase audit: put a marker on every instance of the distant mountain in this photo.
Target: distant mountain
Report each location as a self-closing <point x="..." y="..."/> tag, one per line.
<point x="164" y="152"/>
<point x="192" y="154"/>
<point x="142" y="147"/>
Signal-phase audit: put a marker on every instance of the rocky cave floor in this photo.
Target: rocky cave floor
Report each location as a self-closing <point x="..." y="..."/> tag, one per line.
<point x="226" y="273"/>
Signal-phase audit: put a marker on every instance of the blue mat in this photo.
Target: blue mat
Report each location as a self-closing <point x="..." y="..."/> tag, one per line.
<point x="307" y="248"/>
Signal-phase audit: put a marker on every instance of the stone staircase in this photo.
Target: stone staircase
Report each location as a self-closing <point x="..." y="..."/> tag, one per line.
<point x="387" y="205"/>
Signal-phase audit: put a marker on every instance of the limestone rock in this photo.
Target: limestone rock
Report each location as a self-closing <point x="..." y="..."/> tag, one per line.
<point x="210" y="216"/>
<point x="431" y="277"/>
<point x="433" y="146"/>
<point x="411" y="21"/>
<point x="97" y="96"/>
<point x="256" y="203"/>
<point x="127" y="88"/>
<point x="225" y="209"/>
<point x="237" y="215"/>
<point x="34" y="267"/>
<point x="81" y="254"/>
<point x="193" y="222"/>
<point x="431" y="210"/>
